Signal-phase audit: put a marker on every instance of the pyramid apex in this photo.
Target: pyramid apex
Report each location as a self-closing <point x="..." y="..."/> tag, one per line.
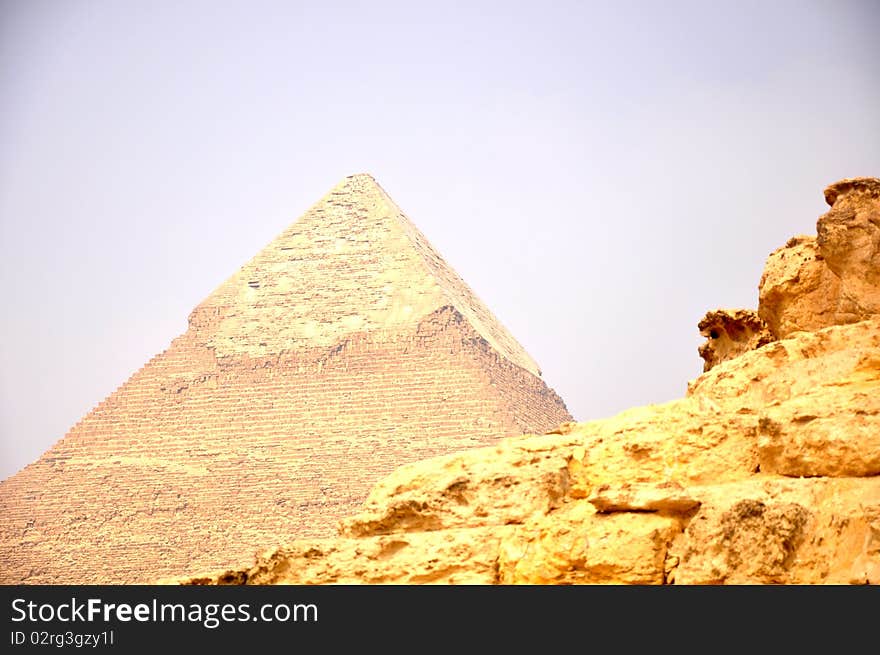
<point x="362" y="177"/>
<point x="356" y="181"/>
<point x="352" y="264"/>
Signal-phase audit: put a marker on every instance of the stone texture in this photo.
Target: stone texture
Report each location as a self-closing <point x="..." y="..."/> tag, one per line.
<point x="730" y="333"/>
<point x="826" y="432"/>
<point x="770" y="530"/>
<point x="465" y="556"/>
<point x="688" y="441"/>
<point x="797" y="290"/>
<point x="849" y="241"/>
<point x="669" y="497"/>
<point x="790" y="367"/>
<point x="766" y="472"/>
<point x="345" y="348"/>
<point x="577" y="546"/>
<point x="831" y="279"/>
<point x="508" y="483"/>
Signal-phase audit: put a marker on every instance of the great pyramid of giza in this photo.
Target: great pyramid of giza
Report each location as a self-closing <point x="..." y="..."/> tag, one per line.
<point x="345" y="348"/>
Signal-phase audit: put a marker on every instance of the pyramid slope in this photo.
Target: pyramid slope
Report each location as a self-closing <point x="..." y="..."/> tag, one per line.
<point x="462" y="297"/>
<point x="282" y="401"/>
<point x="352" y="263"/>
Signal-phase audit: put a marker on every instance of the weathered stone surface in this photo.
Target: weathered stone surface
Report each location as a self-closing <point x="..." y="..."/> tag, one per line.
<point x="508" y="483"/>
<point x="849" y="241"/>
<point x="770" y="530"/>
<point x="464" y="556"/>
<point x="761" y="530"/>
<point x="345" y="348"/>
<point x="798" y="291"/>
<point x="832" y="431"/>
<point x="812" y="283"/>
<point x="790" y="367"/>
<point x="575" y="545"/>
<point x="685" y="441"/>
<point x="748" y="542"/>
<point x="730" y="333"/>
<point x="668" y="497"/>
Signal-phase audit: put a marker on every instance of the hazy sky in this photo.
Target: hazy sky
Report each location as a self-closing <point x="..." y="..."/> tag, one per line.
<point x="601" y="174"/>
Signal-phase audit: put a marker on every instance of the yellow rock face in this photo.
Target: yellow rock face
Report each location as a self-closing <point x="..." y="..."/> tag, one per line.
<point x="833" y="278"/>
<point x="767" y="472"/>
<point x="575" y="545"/>
<point x="797" y="290"/>
<point x="849" y="241"/>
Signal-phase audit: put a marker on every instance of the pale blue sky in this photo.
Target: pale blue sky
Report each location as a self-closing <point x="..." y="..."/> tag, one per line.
<point x="601" y="174"/>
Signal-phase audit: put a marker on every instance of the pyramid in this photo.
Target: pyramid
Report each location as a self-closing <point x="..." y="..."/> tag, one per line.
<point x="342" y="350"/>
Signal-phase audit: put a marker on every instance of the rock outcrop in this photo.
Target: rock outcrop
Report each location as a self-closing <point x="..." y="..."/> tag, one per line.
<point x="849" y="240"/>
<point x="834" y="278"/>
<point x="798" y="292"/>
<point x="767" y="471"/>
<point x="730" y="333"/>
